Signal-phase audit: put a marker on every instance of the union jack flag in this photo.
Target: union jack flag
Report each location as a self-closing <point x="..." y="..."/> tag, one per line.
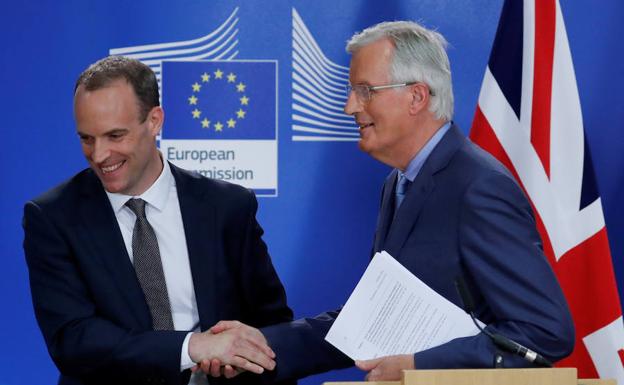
<point x="529" y="116"/>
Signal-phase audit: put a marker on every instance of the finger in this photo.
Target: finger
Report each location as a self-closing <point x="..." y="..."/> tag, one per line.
<point x="373" y="375"/>
<point x="367" y="365"/>
<point x="247" y="365"/>
<point x="215" y="368"/>
<point x="204" y="365"/>
<point x="223" y="326"/>
<point x="230" y="372"/>
<point x="259" y="342"/>
<point x="252" y="339"/>
<point x="251" y="353"/>
<point x="195" y="368"/>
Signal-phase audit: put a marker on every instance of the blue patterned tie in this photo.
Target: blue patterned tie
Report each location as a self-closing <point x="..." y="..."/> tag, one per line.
<point x="148" y="267"/>
<point x="401" y="189"/>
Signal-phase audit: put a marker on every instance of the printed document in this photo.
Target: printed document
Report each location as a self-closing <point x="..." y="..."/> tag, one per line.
<point x="391" y="311"/>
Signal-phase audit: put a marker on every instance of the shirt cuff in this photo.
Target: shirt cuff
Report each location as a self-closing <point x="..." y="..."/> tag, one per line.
<point x="185" y="358"/>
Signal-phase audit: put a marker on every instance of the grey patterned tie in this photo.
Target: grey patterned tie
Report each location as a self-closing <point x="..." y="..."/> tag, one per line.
<point x="148" y="267"/>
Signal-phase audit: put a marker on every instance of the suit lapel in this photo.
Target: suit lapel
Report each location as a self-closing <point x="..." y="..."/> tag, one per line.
<point x="408" y="212"/>
<point x="100" y="226"/>
<point x="386" y="212"/>
<point x="199" y="216"/>
<point x="422" y="187"/>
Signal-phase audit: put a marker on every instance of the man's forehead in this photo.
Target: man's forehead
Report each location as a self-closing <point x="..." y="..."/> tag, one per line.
<point x="117" y="83"/>
<point x="371" y="63"/>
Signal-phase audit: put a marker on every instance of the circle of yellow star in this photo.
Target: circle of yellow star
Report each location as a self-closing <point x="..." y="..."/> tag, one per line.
<point x="194" y="99"/>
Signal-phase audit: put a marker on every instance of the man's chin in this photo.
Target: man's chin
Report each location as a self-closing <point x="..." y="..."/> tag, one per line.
<point x="113" y="187"/>
<point x="364" y="145"/>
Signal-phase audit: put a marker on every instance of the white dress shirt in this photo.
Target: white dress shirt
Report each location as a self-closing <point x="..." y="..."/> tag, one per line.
<point x="163" y="213"/>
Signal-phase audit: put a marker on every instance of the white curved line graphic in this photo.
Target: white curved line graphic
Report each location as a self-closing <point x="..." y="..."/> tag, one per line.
<point x="317" y="91"/>
<point x="186" y="51"/>
<point x="304" y="70"/>
<point x="298" y="22"/>
<point x="304" y="119"/>
<point x="321" y="131"/>
<point x="176" y="44"/>
<point x="220" y="44"/>
<point x="318" y="102"/>
<point x="315" y="57"/>
<point x="327" y="79"/>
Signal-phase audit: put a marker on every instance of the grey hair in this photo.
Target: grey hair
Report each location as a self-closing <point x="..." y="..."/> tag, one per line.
<point x="419" y="55"/>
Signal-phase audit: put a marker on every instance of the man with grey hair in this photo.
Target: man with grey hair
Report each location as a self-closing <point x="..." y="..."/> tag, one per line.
<point x="448" y="211"/>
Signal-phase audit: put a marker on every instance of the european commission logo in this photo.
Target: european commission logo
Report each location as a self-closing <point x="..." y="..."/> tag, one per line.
<point x="220" y="113"/>
<point x="318" y="94"/>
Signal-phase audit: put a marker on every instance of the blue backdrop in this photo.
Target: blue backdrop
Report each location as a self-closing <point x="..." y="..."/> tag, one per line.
<point x="319" y="227"/>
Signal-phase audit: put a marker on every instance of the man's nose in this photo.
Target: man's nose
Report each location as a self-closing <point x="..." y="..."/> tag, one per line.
<point x="101" y="151"/>
<point x="353" y="104"/>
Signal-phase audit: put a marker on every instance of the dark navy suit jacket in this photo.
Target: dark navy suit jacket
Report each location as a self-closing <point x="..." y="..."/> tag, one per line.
<point x="464" y="215"/>
<point x="88" y="301"/>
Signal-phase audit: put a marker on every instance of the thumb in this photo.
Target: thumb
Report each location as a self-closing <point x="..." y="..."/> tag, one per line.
<point x="222" y="326"/>
<point x="367" y="365"/>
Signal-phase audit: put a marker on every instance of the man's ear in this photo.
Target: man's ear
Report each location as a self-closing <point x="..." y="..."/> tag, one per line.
<point x="419" y="93"/>
<point x="155" y="120"/>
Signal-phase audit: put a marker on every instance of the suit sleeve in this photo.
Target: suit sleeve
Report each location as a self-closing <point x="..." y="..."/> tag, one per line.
<point x="82" y="344"/>
<point x="301" y="349"/>
<point x="501" y="254"/>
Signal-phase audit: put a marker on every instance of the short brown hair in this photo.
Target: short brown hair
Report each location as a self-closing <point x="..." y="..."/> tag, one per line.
<point x="142" y="79"/>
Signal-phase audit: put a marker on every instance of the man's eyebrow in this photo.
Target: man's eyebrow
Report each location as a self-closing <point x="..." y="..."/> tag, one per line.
<point x="113" y="131"/>
<point x="116" y="131"/>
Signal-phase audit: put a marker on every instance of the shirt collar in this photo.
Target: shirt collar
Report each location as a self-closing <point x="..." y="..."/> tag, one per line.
<point x="156" y="195"/>
<point x="414" y="166"/>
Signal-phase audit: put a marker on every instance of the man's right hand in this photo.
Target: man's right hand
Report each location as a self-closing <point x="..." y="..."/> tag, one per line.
<point x="237" y="345"/>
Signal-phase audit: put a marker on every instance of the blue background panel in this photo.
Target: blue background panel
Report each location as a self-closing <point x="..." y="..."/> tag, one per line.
<point x="320" y="227"/>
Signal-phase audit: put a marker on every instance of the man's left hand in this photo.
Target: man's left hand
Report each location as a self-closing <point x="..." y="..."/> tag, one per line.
<point x="387" y="368"/>
<point x="215" y="367"/>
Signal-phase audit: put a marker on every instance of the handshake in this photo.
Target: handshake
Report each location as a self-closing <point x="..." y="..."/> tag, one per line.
<point x="231" y="347"/>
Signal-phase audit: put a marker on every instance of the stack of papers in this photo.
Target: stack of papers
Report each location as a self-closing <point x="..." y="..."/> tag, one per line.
<point x="391" y="311"/>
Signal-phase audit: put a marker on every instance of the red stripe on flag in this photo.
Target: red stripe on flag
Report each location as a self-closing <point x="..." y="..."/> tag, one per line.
<point x="579" y="359"/>
<point x="621" y="354"/>
<point x="584" y="273"/>
<point x="545" y="16"/>
<point x="482" y="134"/>
<point x="588" y="281"/>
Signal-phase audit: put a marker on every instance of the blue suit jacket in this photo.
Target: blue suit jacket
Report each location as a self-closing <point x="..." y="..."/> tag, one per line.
<point x="88" y="301"/>
<point x="464" y="215"/>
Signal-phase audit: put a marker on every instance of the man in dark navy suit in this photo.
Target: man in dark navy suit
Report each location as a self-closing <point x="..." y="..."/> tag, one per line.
<point x="132" y="260"/>
<point x="448" y="210"/>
